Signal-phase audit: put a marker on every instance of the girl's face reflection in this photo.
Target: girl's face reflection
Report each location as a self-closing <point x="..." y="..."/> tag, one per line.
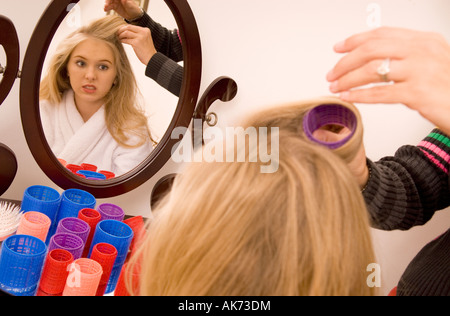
<point x="92" y="72"/>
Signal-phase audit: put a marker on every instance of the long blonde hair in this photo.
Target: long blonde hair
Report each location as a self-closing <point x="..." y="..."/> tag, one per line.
<point x="123" y="116"/>
<point x="228" y="229"/>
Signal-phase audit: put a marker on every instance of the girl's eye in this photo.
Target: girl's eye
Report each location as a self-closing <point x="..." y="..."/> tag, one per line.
<point x="80" y="63"/>
<point x="103" y="67"/>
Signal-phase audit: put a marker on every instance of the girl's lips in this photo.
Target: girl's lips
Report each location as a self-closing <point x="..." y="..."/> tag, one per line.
<point x="89" y="88"/>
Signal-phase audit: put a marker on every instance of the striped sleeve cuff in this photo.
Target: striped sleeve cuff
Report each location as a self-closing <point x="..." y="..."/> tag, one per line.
<point x="391" y="197"/>
<point x="436" y="148"/>
<point x="405" y="190"/>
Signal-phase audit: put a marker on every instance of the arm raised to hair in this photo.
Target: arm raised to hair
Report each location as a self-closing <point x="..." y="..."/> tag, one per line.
<point x="406" y="190"/>
<point x="167" y="42"/>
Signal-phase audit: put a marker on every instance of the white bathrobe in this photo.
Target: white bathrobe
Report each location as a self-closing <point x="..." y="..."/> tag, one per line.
<point x="77" y="142"/>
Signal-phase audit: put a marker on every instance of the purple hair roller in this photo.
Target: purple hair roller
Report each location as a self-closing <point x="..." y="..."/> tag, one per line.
<point x="329" y="114"/>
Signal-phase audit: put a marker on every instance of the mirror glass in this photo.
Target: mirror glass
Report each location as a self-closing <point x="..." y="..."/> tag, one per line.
<point x="82" y="139"/>
<point x="2" y="62"/>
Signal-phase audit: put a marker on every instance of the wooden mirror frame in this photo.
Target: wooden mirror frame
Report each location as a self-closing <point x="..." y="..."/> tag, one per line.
<point x="10" y="42"/>
<point x="29" y="103"/>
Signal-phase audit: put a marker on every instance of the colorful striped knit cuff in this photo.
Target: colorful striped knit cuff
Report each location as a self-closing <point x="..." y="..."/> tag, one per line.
<point x="436" y="147"/>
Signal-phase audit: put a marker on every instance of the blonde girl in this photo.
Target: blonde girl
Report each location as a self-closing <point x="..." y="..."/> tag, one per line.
<point x="91" y="71"/>
<point x="228" y="229"/>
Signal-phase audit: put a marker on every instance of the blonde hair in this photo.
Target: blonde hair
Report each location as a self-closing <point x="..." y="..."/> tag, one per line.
<point x="228" y="229"/>
<point x="123" y="116"/>
<point x="290" y="117"/>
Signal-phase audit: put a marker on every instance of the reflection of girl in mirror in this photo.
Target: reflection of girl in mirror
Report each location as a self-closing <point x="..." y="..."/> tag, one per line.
<point x="88" y="104"/>
<point x="156" y="47"/>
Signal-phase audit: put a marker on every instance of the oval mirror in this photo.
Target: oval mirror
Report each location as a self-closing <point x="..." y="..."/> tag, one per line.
<point x="46" y="35"/>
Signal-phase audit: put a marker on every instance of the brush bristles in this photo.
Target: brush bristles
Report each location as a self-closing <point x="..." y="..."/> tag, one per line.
<point x="10" y="215"/>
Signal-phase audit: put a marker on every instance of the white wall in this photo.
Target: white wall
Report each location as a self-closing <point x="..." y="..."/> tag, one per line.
<point x="280" y="51"/>
<point x="277" y="51"/>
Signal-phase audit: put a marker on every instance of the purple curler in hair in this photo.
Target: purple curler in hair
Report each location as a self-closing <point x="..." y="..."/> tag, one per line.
<point x="329" y="114"/>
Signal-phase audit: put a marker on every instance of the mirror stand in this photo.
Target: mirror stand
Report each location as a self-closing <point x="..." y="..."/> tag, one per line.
<point x="223" y="89"/>
<point x="10" y="42"/>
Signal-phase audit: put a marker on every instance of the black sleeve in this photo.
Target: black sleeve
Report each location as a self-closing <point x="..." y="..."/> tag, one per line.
<point x="407" y="189"/>
<point x="166" y="72"/>
<point x="163" y="67"/>
<point x="167" y="42"/>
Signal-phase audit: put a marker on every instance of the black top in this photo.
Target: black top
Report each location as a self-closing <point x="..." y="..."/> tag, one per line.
<point x="164" y="67"/>
<point x="405" y="191"/>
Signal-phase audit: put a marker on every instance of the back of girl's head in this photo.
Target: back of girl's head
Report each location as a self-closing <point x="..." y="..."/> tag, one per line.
<point x="228" y="229"/>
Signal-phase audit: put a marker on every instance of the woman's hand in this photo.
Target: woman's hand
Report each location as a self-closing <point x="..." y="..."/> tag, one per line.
<point x="419" y="71"/>
<point x="140" y="38"/>
<point x="127" y="9"/>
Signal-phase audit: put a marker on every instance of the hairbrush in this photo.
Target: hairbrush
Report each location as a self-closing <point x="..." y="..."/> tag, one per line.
<point x="10" y="215"/>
